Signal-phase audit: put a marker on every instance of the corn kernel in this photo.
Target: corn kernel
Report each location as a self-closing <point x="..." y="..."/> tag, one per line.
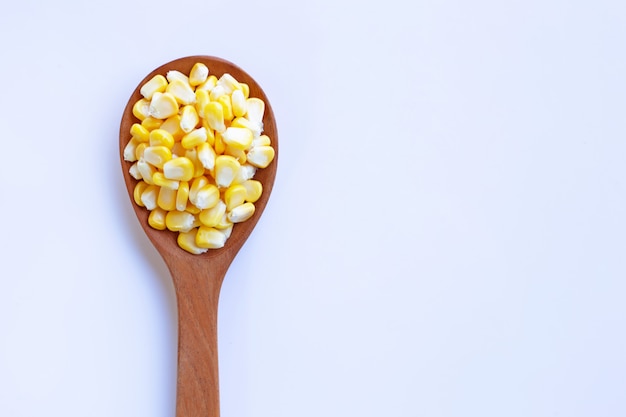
<point x="156" y="219"/>
<point x="173" y="75"/>
<point x="156" y="84"/>
<point x="262" y="140"/>
<point x="149" y="197"/>
<point x="195" y="186"/>
<point x="179" y="221"/>
<point x="151" y="123"/>
<point x="237" y="137"/>
<point x="229" y="83"/>
<point x="207" y="197"/>
<point x="172" y="125"/>
<point x="134" y="171"/>
<point x="241" y="213"/>
<point x="159" y="179"/>
<point x="140" y="187"/>
<point x="141" y="147"/>
<point x="146" y="170"/>
<point x="209" y="237"/>
<point x="246" y="89"/>
<point x="189" y="118"/>
<point x="214" y="114"/>
<point x="209" y="84"/>
<point x="157" y="155"/>
<point x="130" y="149"/>
<point x="194" y="138"/>
<point x="182" y="92"/>
<point x="238" y="154"/>
<point x="202" y="99"/>
<point x="139" y="132"/>
<point x="261" y="156"/>
<point x="254" y="189"/>
<point x="182" y="195"/>
<point x="198" y="168"/>
<point x="206" y="155"/>
<point x="211" y="217"/>
<point x="239" y="104"/>
<point x="187" y="241"/>
<point x="216" y="92"/>
<point x="226" y="168"/>
<point x="256" y="109"/>
<point x="245" y="173"/>
<point x="198" y="74"/>
<point x="234" y="196"/>
<point x="166" y="199"/>
<point x="224" y="223"/>
<point x="227" y="107"/>
<point x="163" y="105"/>
<point x="178" y="150"/>
<point x="180" y="169"/>
<point x="193" y="210"/>
<point x="218" y="144"/>
<point x="141" y="109"/>
<point x="161" y="137"/>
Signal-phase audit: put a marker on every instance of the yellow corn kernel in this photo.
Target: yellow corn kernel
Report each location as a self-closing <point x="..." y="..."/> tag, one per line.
<point x="179" y="221"/>
<point x="202" y="99"/>
<point x="163" y="105"/>
<point x="254" y="189"/>
<point x="224" y="224"/>
<point x="149" y="197"/>
<point x="239" y="154"/>
<point x="198" y="168"/>
<point x="189" y="118"/>
<point x="198" y="74"/>
<point x="239" y="104"/>
<point x="157" y="155"/>
<point x="209" y="237"/>
<point x="207" y="197"/>
<point x="262" y="140"/>
<point x="241" y="213"/>
<point x="242" y="122"/>
<point x="146" y="170"/>
<point x="256" y="109"/>
<point x="151" y="123"/>
<point x="246" y="89"/>
<point x="211" y="217"/>
<point x="182" y="92"/>
<point x="140" y="187"/>
<point x="161" y="137"/>
<point x="261" y="156"/>
<point x="195" y="186"/>
<point x="180" y="169"/>
<point x="141" y="109"/>
<point x="166" y="199"/>
<point x="156" y="219"/>
<point x="139" y="132"/>
<point x="209" y="84"/>
<point x="141" y="147"/>
<point x="173" y="75"/>
<point x="193" y="210"/>
<point x="214" y="115"/>
<point x="178" y="150"/>
<point x="227" y="107"/>
<point x="187" y="241"/>
<point x="134" y="171"/>
<point x="156" y="84"/>
<point x="130" y="150"/>
<point x="237" y="137"/>
<point x="206" y="155"/>
<point x="226" y="169"/>
<point x="172" y="125"/>
<point x="218" y="144"/>
<point x="229" y="83"/>
<point x="159" y="179"/>
<point x="194" y="138"/>
<point x="234" y="196"/>
<point x="182" y="195"/>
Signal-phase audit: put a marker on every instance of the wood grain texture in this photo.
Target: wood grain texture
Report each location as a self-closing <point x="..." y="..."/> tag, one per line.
<point x="198" y="278"/>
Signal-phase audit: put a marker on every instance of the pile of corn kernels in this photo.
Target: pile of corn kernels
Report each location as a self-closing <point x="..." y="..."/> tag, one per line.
<point x="194" y="151"/>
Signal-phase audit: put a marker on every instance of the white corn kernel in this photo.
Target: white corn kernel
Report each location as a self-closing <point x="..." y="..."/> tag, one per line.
<point x="163" y="105"/>
<point x="154" y="85"/>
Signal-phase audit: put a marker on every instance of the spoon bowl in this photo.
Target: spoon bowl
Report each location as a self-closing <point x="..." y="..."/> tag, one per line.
<point x="198" y="278"/>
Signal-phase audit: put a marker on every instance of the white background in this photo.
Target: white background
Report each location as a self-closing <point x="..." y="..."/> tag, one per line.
<point x="446" y="235"/>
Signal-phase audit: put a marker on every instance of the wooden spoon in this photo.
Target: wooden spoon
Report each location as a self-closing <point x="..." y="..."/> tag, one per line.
<point x="198" y="278"/>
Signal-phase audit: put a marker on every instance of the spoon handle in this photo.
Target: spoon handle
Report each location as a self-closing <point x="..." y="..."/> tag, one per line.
<point x="197" y="293"/>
